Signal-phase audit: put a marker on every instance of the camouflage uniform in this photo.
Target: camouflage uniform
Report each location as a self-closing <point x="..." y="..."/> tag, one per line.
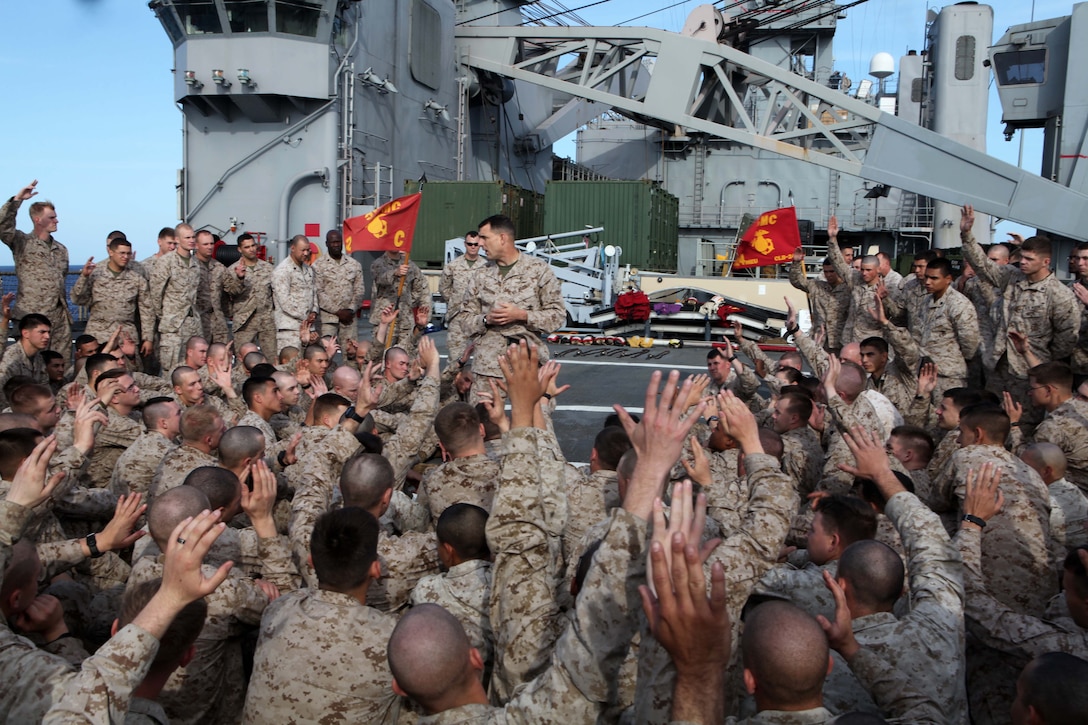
<point x="1016" y="561"/>
<point x="1067" y="427"/>
<point x="321" y="658"/>
<point x="15" y="362"/>
<point x="985" y="298"/>
<point x="910" y="304"/>
<point x="340" y="285"/>
<point x="295" y="298"/>
<point x="859" y="324"/>
<point x="405" y="559"/>
<point x="175" y="466"/>
<point x="531" y="285"/>
<point x="581" y="674"/>
<point x="464" y="591"/>
<point x="209" y="300"/>
<point x="727" y="494"/>
<point x="1020" y="635"/>
<point x="1068" y="515"/>
<point x="471" y="479"/>
<point x="174" y="283"/>
<point x="119" y="433"/>
<point x="416" y="293"/>
<point x="38" y="682"/>
<point x="212" y="687"/>
<point x="899" y="383"/>
<point x="948" y="332"/>
<point x="41" y="267"/>
<point x="452" y="286"/>
<point x="804" y="586"/>
<point x="1040" y="310"/>
<point x="830" y="304"/>
<point x="927" y="644"/>
<point x="746" y="555"/>
<point x="115" y="299"/>
<point x="802" y="457"/>
<point x="590" y="496"/>
<point x="251" y="304"/>
<point x="873" y="412"/>
<point x="1079" y="361"/>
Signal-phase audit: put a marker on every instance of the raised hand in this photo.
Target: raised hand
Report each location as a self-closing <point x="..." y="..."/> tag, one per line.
<point x="120" y="532"/>
<point x="840" y="633"/>
<point x="833" y="228"/>
<point x="31" y="484"/>
<point x="927" y="379"/>
<point x="967" y="218"/>
<point x="88" y="268"/>
<point x="519" y="365"/>
<point x="259" y="498"/>
<point x="27" y="191"/>
<point x="698" y="469"/>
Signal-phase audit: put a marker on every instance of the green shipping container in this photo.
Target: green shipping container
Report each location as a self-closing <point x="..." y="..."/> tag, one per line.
<point x="450" y="208"/>
<point x="640" y="217"/>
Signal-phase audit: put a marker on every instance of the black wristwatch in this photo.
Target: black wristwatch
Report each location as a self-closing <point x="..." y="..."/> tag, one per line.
<point x="972" y="519"/>
<point x="92" y="544"/>
<point x="352" y="415"/>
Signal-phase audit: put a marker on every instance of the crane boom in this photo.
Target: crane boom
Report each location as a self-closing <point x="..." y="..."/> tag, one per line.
<point x="700" y="86"/>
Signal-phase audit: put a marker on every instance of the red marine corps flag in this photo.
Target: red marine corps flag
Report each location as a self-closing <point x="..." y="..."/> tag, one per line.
<point x="770" y="240"/>
<point x="388" y="228"/>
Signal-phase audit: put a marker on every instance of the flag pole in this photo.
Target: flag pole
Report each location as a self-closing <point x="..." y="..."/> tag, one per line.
<point x="400" y="294"/>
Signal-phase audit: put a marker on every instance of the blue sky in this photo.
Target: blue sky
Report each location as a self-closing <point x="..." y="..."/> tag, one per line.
<point x="88" y="86"/>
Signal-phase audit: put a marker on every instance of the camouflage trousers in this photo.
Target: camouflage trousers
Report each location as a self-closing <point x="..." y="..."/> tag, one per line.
<point x="262" y="335"/>
<point x="330" y="325"/>
<point x="172" y="344"/>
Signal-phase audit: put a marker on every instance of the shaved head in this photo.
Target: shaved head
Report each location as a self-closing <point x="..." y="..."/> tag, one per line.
<point x="1041" y="456"/>
<point x="429" y="656"/>
<point x="171" y="508"/>
<point x="874" y="572"/>
<point x="786" y="652"/>
<point x="364" y="480"/>
<point x="239" y="443"/>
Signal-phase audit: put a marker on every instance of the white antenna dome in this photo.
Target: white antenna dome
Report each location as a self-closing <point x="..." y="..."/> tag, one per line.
<point x="882" y="65"/>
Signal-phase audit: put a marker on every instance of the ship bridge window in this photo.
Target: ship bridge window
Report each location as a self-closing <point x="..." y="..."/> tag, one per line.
<point x="247" y="16"/>
<point x="169" y="21"/>
<point x="1020" y="67"/>
<point x="297" y="17"/>
<point x="198" y="17"/>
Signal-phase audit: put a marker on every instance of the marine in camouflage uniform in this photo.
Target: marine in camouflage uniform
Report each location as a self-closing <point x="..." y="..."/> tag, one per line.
<point x="830" y="304"/>
<point x="1019" y="635"/>
<point x="110" y="442"/>
<point x="948" y="332"/>
<point x="1016" y="561"/>
<point x="15" y="362"/>
<point x="209" y="300"/>
<point x="452" y="286"/>
<point x="926" y="644"/>
<point x="802" y="457"/>
<point x="251" y="304"/>
<point x="464" y="591"/>
<point x="41" y="266"/>
<point x="295" y="298"/>
<point x="339" y="647"/>
<point x="899" y="381"/>
<point x="134" y="468"/>
<point x="175" y="466"/>
<point x="174" y="285"/>
<point x="1041" y="311"/>
<point x="115" y="299"/>
<point x="1066" y="427"/>
<point x="529" y="285"/>
<point x="386" y="283"/>
<point x="36" y="681"/>
<point x="590" y="496"/>
<point x="340" y="286"/>
<point x="747" y="554"/>
<point x="1068" y="515"/>
<point x="471" y="479"/>
<point x="212" y="687"/>
<point x="859" y="324"/>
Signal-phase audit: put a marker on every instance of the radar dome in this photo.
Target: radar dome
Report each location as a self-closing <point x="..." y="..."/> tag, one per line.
<point x="882" y="65"/>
